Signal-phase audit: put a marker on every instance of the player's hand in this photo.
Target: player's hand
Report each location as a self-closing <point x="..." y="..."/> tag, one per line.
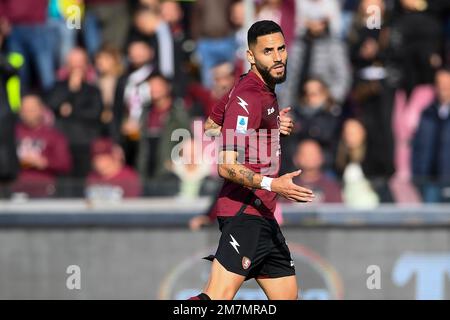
<point x="286" y="122"/>
<point x="285" y="187"/>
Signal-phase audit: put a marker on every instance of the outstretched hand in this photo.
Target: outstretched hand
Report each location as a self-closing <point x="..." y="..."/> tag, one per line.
<point x="285" y="187"/>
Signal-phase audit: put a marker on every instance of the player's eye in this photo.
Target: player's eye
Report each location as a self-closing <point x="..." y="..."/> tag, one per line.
<point x="267" y="51"/>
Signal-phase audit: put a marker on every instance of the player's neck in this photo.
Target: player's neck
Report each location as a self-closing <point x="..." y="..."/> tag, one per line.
<point x="255" y="71"/>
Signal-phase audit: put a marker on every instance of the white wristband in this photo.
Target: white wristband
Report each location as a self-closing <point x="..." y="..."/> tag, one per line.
<point x="266" y="183"/>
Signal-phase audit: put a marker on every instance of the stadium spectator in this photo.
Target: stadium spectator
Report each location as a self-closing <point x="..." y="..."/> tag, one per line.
<point x="372" y="97"/>
<point x="431" y="144"/>
<point x="365" y="42"/>
<point x="415" y="44"/>
<point x="109" y="66"/>
<point x="317" y="117"/>
<point x="190" y="169"/>
<point x="132" y="97"/>
<point x="200" y="100"/>
<point x="237" y="19"/>
<point x="351" y="161"/>
<point x="77" y="106"/>
<point x="172" y="13"/>
<point x="43" y="151"/>
<point x="29" y="35"/>
<point x="312" y="14"/>
<point x="105" y="22"/>
<point x="110" y="178"/>
<point x="166" y="114"/>
<point x="318" y="53"/>
<point x="309" y="158"/>
<point x="151" y="27"/>
<point x="77" y="59"/>
<point x="282" y="12"/>
<point x="213" y="31"/>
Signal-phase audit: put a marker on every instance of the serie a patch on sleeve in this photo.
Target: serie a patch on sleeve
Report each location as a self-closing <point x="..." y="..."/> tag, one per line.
<point x="241" y="124"/>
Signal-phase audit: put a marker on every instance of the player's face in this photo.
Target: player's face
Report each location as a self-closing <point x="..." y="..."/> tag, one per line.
<point x="269" y="55"/>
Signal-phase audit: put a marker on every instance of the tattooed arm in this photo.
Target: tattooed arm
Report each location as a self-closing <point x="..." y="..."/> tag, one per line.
<point x="211" y="128"/>
<point x="230" y="169"/>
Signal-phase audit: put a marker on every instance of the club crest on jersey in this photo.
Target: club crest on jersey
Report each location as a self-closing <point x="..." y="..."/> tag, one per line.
<point x="246" y="263"/>
<point x="241" y="124"/>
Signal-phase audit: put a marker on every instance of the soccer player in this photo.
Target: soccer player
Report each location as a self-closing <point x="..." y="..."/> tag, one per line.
<point x="252" y="244"/>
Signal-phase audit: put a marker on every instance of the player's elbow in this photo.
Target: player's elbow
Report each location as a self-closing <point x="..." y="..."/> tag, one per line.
<point x="221" y="170"/>
<point x="206" y="126"/>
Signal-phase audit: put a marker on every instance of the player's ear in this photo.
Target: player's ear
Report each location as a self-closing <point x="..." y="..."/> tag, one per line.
<point x="250" y="57"/>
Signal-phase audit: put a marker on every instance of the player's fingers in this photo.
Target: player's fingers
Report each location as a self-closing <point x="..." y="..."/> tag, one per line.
<point x="301" y="189"/>
<point x="301" y="195"/>
<point x="293" y="199"/>
<point x="297" y="198"/>
<point x="284" y="111"/>
<point x="285" y="127"/>
<point x="285" y="118"/>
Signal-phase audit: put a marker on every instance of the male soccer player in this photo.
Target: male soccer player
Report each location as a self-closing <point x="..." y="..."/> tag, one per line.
<point x="252" y="244"/>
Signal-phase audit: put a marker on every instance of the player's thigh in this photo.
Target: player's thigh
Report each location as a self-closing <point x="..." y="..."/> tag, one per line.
<point x="222" y="284"/>
<point x="283" y="288"/>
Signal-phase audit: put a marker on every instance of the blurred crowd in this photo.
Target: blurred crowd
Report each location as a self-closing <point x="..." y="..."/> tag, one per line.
<point x="92" y="90"/>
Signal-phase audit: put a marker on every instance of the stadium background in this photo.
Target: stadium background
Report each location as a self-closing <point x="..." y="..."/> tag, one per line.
<point x="110" y="80"/>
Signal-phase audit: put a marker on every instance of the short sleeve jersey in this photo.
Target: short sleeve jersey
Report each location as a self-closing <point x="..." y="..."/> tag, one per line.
<point x="250" y="122"/>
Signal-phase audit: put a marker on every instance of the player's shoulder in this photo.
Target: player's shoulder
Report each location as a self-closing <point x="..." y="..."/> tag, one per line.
<point x="247" y="90"/>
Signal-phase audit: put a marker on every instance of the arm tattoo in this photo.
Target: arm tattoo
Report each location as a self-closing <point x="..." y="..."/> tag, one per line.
<point x="212" y="129"/>
<point x="246" y="177"/>
<point x="248" y="174"/>
<point x="238" y="173"/>
<point x="212" y="124"/>
<point x="231" y="173"/>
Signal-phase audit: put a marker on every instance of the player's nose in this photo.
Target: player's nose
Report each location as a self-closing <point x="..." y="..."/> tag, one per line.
<point x="276" y="56"/>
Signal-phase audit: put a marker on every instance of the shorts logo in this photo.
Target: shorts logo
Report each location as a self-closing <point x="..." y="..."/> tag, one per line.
<point x="292" y="263"/>
<point x="270" y="111"/>
<point x="234" y="244"/>
<point x="241" y="124"/>
<point x="246" y="263"/>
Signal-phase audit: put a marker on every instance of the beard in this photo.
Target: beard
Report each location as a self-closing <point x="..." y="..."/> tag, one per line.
<point x="268" y="78"/>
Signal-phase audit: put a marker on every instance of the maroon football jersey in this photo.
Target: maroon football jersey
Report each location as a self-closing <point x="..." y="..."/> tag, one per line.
<point x="250" y="125"/>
